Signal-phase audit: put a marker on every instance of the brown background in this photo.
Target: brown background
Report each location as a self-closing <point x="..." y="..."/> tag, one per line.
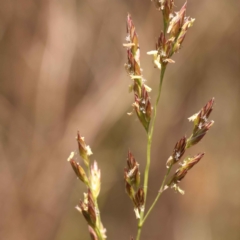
<point x="61" y="70"/>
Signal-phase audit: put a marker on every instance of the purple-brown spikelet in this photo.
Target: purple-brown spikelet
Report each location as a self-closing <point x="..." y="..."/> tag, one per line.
<point x="132" y="181"/>
<point x="79" y="171"/>
<point x="186" y="166"/>
<point x="139" y="198"/>
<point x="178" y="152"/>
<point x="201" y="123"/>
<point x="132" y="174"/>
<point x="88" y="209"/>
<point x="84" y="150"/>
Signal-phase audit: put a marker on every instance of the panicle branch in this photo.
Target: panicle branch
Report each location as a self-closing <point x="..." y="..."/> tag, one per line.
<point x="200" y="128"/>
<point x="142" y="104"/>
<point x="89" y="207"/>
<point x="175" y="29"/>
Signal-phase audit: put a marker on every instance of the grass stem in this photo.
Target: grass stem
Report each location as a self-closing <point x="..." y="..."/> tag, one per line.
<point x="149" y="144"/>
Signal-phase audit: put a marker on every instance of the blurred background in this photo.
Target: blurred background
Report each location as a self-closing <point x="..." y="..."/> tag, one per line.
<point x="62" y="70"/>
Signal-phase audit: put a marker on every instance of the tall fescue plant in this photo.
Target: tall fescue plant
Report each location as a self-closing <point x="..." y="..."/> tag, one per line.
<point x="169" y="42"/>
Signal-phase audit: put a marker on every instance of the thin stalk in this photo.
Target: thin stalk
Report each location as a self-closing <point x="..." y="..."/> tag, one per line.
<point x="99" y="234"/>
<point x="139" y="232"/>
<point x="161" y="190"/>
<point x="150" y="134"/>
<point x="149" y="144"/>
<point x="98" y="221"/>
<point x="96" y="229"/>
